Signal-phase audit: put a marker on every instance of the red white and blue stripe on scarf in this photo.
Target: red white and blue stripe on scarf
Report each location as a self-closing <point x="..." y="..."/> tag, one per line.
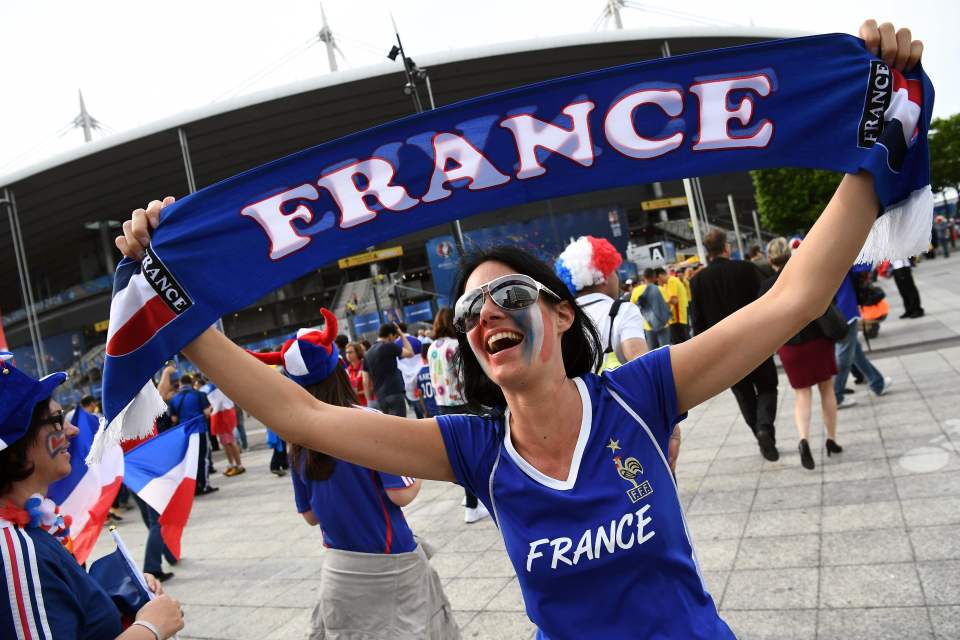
<point x="821" y="102"/>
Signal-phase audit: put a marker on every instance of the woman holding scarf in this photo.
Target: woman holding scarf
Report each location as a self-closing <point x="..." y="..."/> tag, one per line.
<point x="45" y="594"/>
<point x="376" y="580"/>
<point x="574" y="472"/>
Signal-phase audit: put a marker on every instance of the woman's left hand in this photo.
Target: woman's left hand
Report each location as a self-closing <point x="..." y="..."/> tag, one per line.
<point x="896" y="47"/>
<point x="153" y="584"/>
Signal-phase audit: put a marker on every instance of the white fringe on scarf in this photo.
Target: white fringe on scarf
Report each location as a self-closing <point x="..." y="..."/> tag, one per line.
<point x="902" y="231"/>
<point x="135" y="421"/>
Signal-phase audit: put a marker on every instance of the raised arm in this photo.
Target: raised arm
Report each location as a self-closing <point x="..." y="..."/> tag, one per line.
<point x="386" y="443"/>
<point x="406" y="350"/>
<point x="725" y="353"/>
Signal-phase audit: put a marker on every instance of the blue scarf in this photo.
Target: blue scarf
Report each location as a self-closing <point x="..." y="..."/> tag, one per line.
<point x="821" y="102"/>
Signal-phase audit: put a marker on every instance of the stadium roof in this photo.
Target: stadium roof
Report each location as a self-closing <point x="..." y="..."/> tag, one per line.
<point x="107" y="178"/>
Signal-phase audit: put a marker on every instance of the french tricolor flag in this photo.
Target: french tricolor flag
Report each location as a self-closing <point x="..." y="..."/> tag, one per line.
<point x="223" y="413"/>
<point x="87" y="493"/>
<point x="163" y="472"/>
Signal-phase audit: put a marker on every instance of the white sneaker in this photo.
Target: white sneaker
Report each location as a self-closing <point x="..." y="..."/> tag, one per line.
<point x="887" y="381"/>
<point x="846" y="402"/>
<point x="473" y="515"/>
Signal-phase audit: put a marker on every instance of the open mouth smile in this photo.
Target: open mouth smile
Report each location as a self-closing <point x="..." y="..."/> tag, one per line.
<point x="502" y="340"/>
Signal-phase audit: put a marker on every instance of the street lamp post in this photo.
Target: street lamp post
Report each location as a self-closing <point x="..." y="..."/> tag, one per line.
<point x="413" y="74"/>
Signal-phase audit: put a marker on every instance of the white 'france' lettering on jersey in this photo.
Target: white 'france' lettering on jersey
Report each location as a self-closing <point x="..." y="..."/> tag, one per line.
<point x="619" y="534"/>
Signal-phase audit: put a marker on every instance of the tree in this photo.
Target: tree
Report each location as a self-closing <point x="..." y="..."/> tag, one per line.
<point x="791" y="200"/>
<point x="945" y="153"/>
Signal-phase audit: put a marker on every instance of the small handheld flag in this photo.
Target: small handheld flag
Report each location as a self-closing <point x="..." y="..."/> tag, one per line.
<point x="163" y="472"/>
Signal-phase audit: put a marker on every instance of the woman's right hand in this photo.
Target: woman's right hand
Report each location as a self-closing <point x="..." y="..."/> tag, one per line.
<point x="136" y="230"/>
<point x="164" y="613"/>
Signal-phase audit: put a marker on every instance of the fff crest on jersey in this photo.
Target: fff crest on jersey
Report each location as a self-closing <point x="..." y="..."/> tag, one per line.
<point x="630" y="469"/>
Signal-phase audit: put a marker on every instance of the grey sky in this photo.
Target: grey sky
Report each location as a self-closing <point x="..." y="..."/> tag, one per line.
<point x="137" y="62"/>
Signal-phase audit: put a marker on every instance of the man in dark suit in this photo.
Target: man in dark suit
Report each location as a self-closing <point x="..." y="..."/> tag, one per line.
<point x="719" y="290"/>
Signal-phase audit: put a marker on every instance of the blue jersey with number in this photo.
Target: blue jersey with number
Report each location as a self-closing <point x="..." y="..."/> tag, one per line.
<point x="604" y="553"/>
<point x="426" y="390"/>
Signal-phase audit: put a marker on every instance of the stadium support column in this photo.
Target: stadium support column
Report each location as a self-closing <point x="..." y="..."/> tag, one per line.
<point x="694" y="219"/>
<point x="192" y="186"/>
<point x="756" y="225"/>
<point x="33" y="324"/>
<point x="187" y="162"/>
<point x="736" y="226"/>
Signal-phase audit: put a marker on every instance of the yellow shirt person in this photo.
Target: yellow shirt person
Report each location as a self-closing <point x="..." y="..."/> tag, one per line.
<point x="675" y="293"/>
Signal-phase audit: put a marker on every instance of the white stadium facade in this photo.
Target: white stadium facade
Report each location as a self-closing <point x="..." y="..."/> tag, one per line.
<point x="59" y="209"/>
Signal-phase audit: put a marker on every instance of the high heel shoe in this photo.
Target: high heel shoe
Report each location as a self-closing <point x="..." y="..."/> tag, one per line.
<point x="833" y="447"/>
<point x="806" y="457"/>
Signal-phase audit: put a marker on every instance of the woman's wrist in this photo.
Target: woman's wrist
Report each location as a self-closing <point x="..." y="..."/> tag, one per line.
<point x="149" y="626"/>
<point x="140" y="631"/>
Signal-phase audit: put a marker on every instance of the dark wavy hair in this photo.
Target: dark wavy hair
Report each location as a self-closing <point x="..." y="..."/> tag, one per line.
<point x="14" y="466"/>
<point x="335" y="389"/>
<point x="580" y="344"/>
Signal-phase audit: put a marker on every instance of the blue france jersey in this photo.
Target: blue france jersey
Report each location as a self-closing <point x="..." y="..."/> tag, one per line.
<point x="606" y="552"/>
<point x="426" y="390"/>
<point x="353" y="509"/>
<point x="45" y="594"/>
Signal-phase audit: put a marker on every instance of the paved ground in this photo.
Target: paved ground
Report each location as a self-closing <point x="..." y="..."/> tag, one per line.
<point x="865" y="546"/>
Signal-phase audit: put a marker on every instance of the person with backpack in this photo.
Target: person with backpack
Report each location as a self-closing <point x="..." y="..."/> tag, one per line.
<point x="721" y="289"/>
<point x="588" y="266"/>
<point x="653" y="307"/>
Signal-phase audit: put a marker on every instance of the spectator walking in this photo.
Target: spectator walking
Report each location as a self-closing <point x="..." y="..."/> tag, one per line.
<point x="941" y="232"/>
<point x="848" y="350"/>
<point x="676" y="295"/>
<point x="342" y="341"/>
<point x="223" y="426"/>
<point x="381" y="377"/>
<point x="759" y="260"/>
<point x="354" y="352"/>
<point x="425" y="393"/>
<point x="448" y="390"/>
<point x="189" y="403"/>
<point x="279" y="464"/>
<point x="653" y="307"/>
<point x="809" y="361"/>
<point x="409" y="368"/>
<point x="241" y="428"/>
<point x="903" y="277"/>
<point x="721" y="289"/>
<point x="588" y="266"/>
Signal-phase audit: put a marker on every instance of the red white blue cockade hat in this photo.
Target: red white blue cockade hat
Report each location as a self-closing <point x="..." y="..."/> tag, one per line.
<point x="587" y="261"/>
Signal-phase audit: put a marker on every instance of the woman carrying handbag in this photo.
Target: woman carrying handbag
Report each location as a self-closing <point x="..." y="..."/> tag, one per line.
<point x="809" y="361"/>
